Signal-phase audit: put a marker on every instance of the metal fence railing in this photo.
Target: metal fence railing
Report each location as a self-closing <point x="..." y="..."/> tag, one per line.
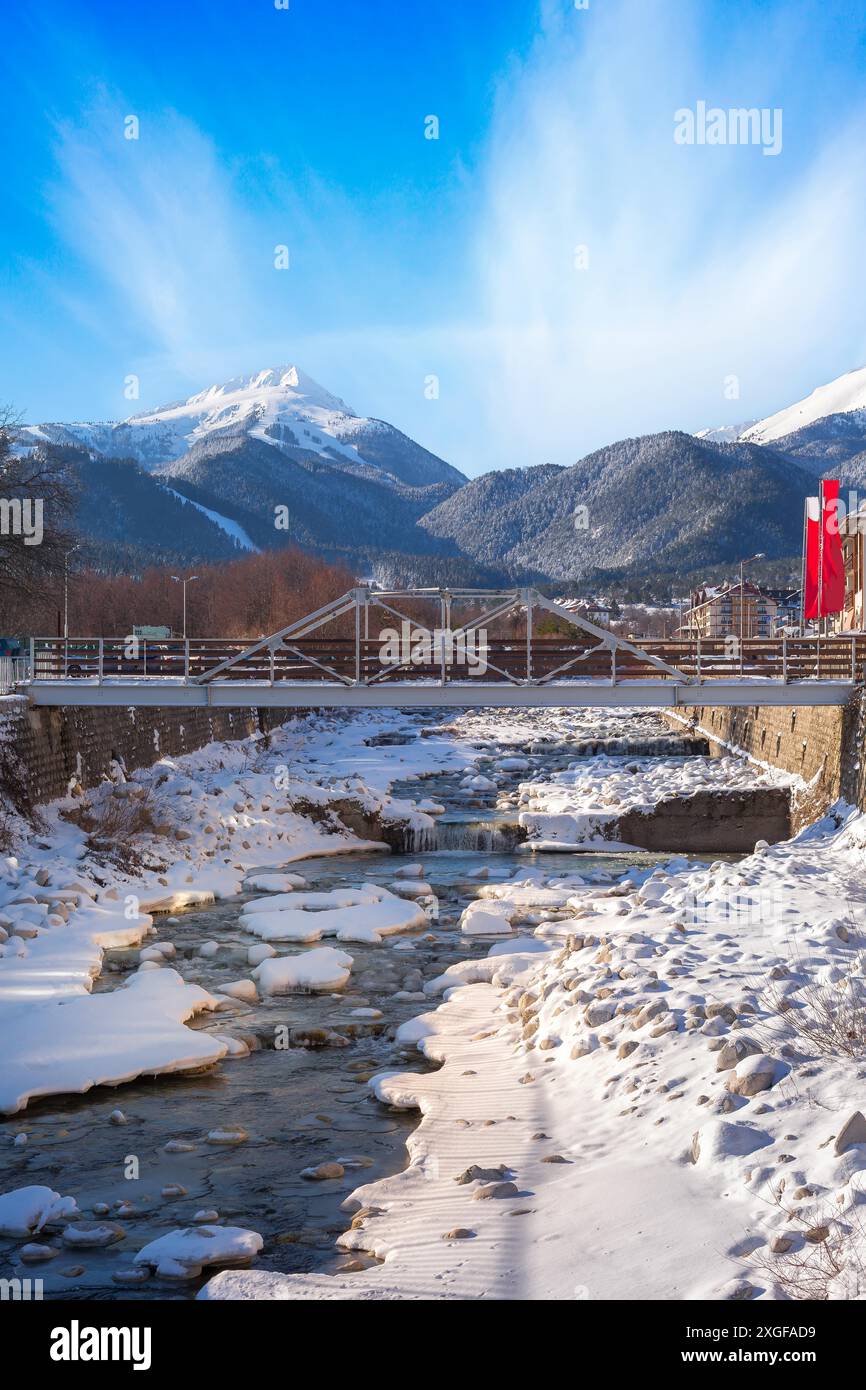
<point x="13" y="670"/>
<point x="358" y="660"/>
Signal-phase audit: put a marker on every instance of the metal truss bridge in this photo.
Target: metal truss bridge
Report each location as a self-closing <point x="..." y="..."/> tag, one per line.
<point x="431" y="648"/>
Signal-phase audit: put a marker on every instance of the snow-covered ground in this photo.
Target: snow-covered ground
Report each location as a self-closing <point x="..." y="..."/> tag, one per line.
<point x="657" y="1106"/>
<point x="574" y="807"/>
<point x="197" y="825"/>
<point x="649" y="1087"/>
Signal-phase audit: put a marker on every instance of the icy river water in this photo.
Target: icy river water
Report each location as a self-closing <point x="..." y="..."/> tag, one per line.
<point x="301" y="1105"/>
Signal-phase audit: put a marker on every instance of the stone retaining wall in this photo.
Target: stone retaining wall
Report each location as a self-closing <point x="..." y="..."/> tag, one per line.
<point x="820" y="744"/>
<point x="709" y="822"/>
<point x="42" y="749"/>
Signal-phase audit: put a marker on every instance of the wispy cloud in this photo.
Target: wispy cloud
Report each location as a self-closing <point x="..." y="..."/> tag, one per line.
<point x="157" y="222"/>
<point x="179" y="242"/>
<point x="703" y="263"/>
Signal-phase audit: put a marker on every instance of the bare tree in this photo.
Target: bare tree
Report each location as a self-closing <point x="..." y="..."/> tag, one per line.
<point x="35" y="502"/>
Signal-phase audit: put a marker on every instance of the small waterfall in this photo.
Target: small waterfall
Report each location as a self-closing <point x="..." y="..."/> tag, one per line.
<point x="418" y="840"/>
<point x="665" y="746"/>
<point x="483" y="836"/>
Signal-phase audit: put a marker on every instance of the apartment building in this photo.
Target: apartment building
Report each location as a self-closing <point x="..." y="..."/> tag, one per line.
<point x="724" y="610"/>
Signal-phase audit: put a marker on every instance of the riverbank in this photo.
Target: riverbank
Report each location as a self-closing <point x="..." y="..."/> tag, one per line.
<point x="582" y="1021"/>
<point x="663" y="1098"/>
<point x="101" y="868"/>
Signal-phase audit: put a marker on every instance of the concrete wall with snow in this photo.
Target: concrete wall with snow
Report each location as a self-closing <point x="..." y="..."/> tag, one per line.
<point x="710" y="821"/>
<point x="823" y="746"/>
<point x="42" y="750"/>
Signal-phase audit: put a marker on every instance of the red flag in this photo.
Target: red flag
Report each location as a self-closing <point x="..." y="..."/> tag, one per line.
<point x="832" y="577"/>
<point x="812" y="558"/>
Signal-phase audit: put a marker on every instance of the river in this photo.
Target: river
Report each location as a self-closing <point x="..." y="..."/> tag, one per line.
<point x="299" y="1105"/>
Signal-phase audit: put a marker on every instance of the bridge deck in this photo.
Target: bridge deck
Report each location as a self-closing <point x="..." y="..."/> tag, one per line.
<point x="510" y="648"/>
<point x="651" y="694"/>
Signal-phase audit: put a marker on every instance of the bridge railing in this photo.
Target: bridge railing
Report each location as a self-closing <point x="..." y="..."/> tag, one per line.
<point x="56" y="658"/>
<point x="352" y="660"/>
<point x="13" y="673"/>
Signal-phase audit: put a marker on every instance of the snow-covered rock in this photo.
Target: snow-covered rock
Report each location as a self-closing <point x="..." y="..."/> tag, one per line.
<point x="183" y="1253"/>
<point x="26" y="1210"/>
<point x="323" y="968"/>
<point x="718" y="1141"/>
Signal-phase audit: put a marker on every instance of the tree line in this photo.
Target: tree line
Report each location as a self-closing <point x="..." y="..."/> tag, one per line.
<point x="251" y="596"/>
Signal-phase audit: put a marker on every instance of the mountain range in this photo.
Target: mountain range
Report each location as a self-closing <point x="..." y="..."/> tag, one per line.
<point x="274" y="458"/>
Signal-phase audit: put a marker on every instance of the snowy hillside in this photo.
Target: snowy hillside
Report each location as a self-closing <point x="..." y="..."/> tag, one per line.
<point x="847" y="393"/>
<point x="725" y="434"/>
<point x="659" y="502"/>
<point x="278" y="405"/>
<point x="281" y="406"/>
<point x="825" y="433"/>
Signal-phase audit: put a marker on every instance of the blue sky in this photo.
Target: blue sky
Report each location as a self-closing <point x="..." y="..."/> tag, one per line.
<point x="455" y="257"/>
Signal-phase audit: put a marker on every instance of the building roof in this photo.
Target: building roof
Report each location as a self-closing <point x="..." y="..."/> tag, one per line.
<point x="708" y="592"/>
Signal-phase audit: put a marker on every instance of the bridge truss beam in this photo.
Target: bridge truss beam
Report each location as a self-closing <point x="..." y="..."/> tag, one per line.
<point x="429" y="695"/>
<point x="349" y="653"/>
<point x="362" y="599"/>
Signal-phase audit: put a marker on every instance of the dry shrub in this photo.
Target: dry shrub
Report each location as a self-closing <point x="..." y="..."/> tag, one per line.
<point x="829" y="1020"/>
<point x="819" y="1269"/>
<point x="827" y="1017"/>
<point x="114" y="823"/>
<point x="18" y="812"/>
<point x="7" y="827"/>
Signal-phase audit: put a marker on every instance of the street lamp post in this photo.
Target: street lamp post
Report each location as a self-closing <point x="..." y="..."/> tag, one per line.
<point x="759" y="556"/>
<point x="184" y="582"/>
<point x="66" y="589"/>
<point x="69" y="552"/>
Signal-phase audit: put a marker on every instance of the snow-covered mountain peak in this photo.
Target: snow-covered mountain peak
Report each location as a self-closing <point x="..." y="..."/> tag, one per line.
<point x="725" y="434"/>
<point x="847" y="393"/>
<point x="280" y="407"/>
<point x="266" y="397"/>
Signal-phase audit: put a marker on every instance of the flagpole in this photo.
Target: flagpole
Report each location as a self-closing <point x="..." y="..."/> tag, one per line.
<point x="803" y="569"/>
<point x="820" y="552"/>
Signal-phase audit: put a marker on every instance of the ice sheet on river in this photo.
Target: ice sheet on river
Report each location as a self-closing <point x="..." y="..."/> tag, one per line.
<point x="72" y="1044"/>
<point x="321" y="969"/>
<point x="364" y="914"/>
